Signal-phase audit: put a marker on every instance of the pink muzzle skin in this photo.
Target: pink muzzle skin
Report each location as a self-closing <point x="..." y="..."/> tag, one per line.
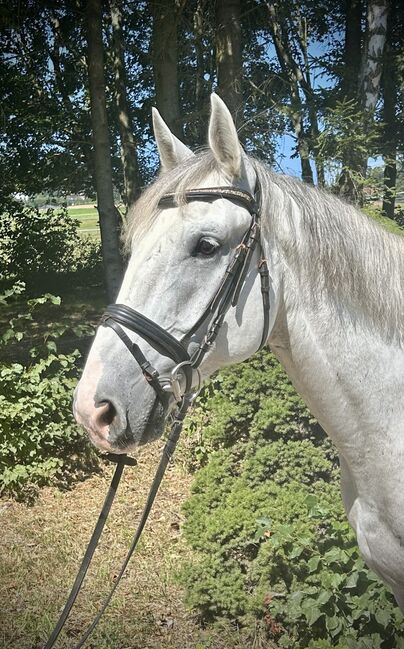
<point x="96" y="420"/>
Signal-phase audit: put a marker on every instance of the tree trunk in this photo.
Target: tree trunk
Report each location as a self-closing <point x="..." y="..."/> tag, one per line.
<point x="367" y="83"/>
<point x="109" y="216"/>
<point x="166" y="14"/>
<point x="391" y="127"/>
<point x="201" y="85"/>
<point x="199" y="58"/>
<point x="371" y="69"/>
<point x="352" y="48"/>
<point x="390" y="179"/>
<point x="302" y="74"/>
<point x="228" y="56"/>
<point x="302" y="146"/>
<point x="294" y="75"/>
<point x="347" y="186"/>
<point x="128" y="145"/>
<point x="372" y="60"/>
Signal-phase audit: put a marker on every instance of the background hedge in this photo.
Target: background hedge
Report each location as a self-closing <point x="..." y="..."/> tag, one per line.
<point x="275" y="551"/>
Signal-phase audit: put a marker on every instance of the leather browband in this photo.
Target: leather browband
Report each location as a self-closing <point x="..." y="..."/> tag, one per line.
<point x="211" y="193"/>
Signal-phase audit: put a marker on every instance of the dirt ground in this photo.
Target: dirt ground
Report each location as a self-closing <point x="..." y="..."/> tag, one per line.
<point x="42" y="544"/>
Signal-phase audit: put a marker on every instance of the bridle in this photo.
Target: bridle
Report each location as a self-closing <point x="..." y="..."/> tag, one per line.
<point x="120" y="316"/>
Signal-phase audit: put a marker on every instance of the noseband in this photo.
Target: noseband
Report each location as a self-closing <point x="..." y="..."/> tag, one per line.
<point x="119" y="315"/>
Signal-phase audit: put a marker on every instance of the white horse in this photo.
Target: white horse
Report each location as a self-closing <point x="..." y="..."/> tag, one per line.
<point x="336" y="320"/>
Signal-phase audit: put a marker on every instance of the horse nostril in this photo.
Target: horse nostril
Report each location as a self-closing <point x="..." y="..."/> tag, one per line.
<point x="107" y="412"/>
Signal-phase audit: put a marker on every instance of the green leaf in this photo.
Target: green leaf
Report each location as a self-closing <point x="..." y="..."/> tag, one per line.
<point x="352" y="580"/>
<point x="312" y="563"/>
<point x="313" y="615"/>
<point x="383" y="616"/>
<point x="323" y="597"/>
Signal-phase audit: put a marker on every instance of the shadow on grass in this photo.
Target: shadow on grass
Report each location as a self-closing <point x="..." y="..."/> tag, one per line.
<point x="80" y="463"/>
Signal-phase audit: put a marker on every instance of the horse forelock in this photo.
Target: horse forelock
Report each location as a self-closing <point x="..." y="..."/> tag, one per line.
<point x="335" y="250"/>
<point x="145" y="211"/>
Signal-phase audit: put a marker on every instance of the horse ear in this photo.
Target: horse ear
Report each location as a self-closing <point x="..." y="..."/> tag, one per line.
<point x="223" y="138"/>
<point x="172" y="151"/>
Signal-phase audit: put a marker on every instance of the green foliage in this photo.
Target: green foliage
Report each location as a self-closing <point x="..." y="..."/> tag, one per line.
<point x="392" y="226"/>
<point x="346" y="141"/>
<point x="265" y="518"/>
<point x="399" y="217"/>
<point x="36" y="421"/>
<point x="37" y="244"/>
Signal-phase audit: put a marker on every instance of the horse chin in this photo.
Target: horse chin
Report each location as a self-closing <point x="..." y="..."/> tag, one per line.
<point x="155" y="424"/>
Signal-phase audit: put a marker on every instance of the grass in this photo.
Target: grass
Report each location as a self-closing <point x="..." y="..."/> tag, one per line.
<point x="41" y="546"/>
<point x="87" y="216"/>
<point x="388" y="224"/>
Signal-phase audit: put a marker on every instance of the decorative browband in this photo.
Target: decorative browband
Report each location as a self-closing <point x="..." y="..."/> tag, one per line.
<point x="211" y="193"/>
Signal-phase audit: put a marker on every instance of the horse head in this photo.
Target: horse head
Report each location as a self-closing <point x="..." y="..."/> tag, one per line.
<point x="183" y="243"/>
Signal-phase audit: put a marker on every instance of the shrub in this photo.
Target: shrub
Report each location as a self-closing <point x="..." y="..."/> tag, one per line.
<point x="391" y="225"/>
<point x="38" y="430"/>
<point x="36" y="245"/>
<point x="266" y="521"/>
<point x="399" y="216"/>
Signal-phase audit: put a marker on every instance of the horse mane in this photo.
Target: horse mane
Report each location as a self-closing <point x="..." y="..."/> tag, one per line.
<point x="333" y="247"/>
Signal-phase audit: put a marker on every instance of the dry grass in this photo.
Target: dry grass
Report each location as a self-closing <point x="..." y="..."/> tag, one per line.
<point x="41" y="546"/>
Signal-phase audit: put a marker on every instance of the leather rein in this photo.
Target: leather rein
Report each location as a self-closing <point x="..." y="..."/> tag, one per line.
<point x="180" y="384"/>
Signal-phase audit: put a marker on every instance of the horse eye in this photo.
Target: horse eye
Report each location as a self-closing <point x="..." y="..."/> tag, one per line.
<point x="206" y="247"/>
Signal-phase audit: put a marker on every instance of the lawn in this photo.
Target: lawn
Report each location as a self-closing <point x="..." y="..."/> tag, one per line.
<point x="88" y="218"/>
<point x="41" y="546"/>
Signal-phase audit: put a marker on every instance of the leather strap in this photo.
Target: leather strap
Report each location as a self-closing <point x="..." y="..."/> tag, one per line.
<point x="155" y="335"/>
<point x="167" y="454"/>
<point x="211" y="193"/>
<point x="120" y="460"/>
<point x="264" y="273"/>
<point x="149" y="372"/>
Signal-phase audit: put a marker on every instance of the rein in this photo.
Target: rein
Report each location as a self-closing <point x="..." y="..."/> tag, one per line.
<point x="118" y="316"/>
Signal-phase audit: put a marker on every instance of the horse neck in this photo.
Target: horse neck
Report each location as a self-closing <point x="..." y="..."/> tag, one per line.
<point x="327" y="337"/>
